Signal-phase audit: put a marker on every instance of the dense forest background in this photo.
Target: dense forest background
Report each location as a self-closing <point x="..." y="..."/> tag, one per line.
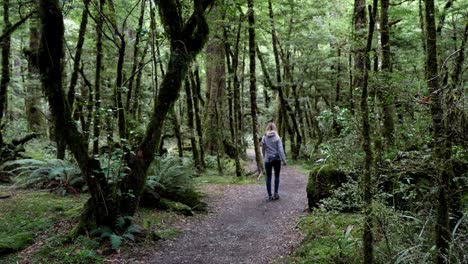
<point x="125" y="100"/>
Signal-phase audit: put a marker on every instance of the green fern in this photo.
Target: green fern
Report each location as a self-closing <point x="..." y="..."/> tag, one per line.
<point x="171" y="178"/>
<point x="60" y="176"/>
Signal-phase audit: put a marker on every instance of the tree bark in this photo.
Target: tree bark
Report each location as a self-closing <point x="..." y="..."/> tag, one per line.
<point x="34" y="114"/>
<point x="441" y="154"/>
<point x="78" y="51"/>
<point x="187" y="39"/>
<point x="101" y="207"/>
<point x="6" y="52"/>
<point x="97" y="77"/>
<point x="361" y="68"/>
<point x="215" y="81"/>
<point x="253" y="86"/>
<point x="196" y="87"/>
<point x="135" y="54"/>
<point x="386" y="97"/>
<point x="190" y="124"/>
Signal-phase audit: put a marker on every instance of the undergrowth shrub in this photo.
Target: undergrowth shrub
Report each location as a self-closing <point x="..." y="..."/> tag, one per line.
<point x="124" y="231"/>
<point x="322" y="181"/>
<point x="172" y="178"/>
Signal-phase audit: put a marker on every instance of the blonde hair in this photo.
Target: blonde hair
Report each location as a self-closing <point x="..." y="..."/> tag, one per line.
<point x="271" y="127"/>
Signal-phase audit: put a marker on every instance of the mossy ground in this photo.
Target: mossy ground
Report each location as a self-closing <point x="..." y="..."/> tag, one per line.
<point x="26" y="215"/>
<point x="330" y="238"/>
<point x="43" y="221"/>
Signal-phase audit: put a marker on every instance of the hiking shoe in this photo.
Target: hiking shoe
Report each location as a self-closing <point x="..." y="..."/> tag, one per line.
<point x="276" y="196"/>
<point x="270" y="198"/>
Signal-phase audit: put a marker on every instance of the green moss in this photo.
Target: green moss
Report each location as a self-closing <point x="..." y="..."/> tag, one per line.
<point x="14" y="243"/>
<point x="26" y="214"/>
<point x="176" y="207"/>
<point x="168" y="233"/>
<point x="327" y="239"/>
<point x="322" y="180"/>
<point x="59" y="249"/>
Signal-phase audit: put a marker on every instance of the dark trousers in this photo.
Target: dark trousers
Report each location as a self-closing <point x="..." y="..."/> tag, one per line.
<point x="269" y="165"/>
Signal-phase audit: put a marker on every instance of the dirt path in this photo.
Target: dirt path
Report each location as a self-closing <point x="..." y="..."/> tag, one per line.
<point x="242" y="226"/>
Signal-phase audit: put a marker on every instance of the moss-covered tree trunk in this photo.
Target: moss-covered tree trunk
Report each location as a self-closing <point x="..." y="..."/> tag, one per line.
<point x="215" y="81"/>
<point x="361" y="67"/>
<point x="190" y="124"/>
<point x="107" y="202"/>
<point x="6" y="51"/>
<point x="186" y="41"/>
<point x="441" y="154"/>
<point x="34" y="114"/>
<point x="97" y="77"/>
<point x="253" y="86"/>
<point x="196" y="91"/>
<point x="138" y="33"/>
<point x="386" y="97"/>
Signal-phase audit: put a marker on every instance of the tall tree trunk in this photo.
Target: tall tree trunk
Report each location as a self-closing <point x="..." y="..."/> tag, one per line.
<point x="34" y="114"/>
<point x="386" y="97"/>
<point x="137" y="87"/>
<point x="135" y="54"/>
<point x="78" y="51"/>
<point x="176" y="127"/>
<point x="6" y="51"/>
<point x="97" y="78"/>
<point x="215" y="80"/>
<point x="52" y="31"/>
<point x="196" y="91"/>
<point x="119" y="89"/>
<point x="193" y="141"/>
<point x="441" y="154"/>
<point x="253" y="86"/>
<point x="361" y="68"/>
<point x="187" y="39"/>
<point x="237" y="99"/>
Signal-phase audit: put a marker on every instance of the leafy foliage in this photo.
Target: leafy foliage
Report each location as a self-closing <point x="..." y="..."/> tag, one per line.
<point x="171" y="178"/>
<point x="57" y="175"/>
<point x="125" y="230"/>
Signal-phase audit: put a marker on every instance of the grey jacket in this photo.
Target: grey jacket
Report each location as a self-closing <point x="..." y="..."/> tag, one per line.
<point x="272" y="148"/>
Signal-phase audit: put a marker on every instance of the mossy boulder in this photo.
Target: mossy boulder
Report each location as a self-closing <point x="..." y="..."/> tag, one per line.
<point x="322" y="181"/>
<point x="175" y="207"/>
<point x="190" y="197"/>
<point x="14" y="243"/>
<point x="150" y="198"/>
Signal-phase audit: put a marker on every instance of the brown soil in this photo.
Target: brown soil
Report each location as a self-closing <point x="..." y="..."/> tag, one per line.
<point x="241" y="227"/>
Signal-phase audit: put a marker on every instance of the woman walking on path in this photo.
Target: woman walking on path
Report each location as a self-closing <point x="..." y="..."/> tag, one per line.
<point x="273" y="156"/>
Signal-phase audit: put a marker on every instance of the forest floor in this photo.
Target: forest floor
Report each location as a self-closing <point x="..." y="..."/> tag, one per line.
<point x="242" y="226"/>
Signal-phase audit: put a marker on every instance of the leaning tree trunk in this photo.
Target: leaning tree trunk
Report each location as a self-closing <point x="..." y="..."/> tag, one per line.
<point x="52" y="32"/>
<point x="105" y="204"/>
<point x="186" y="41"/>
<point x="253" y="88"/>
<point x="441" y="154"/>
